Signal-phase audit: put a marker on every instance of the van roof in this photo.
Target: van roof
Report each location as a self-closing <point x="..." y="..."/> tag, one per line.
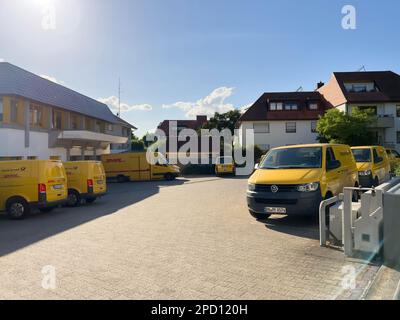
<point x="365" y="147"/>
<point x="309" y="145"/>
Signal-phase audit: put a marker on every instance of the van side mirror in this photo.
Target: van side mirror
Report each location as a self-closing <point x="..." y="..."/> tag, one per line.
<point x="332" y="165"/>
<point x="257" y="166"/>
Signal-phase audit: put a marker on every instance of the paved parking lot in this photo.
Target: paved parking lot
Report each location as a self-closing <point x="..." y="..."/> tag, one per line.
<point x="187" y="239"/>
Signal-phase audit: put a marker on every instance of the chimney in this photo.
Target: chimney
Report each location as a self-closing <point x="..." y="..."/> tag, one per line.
<point x="320" y="85"/>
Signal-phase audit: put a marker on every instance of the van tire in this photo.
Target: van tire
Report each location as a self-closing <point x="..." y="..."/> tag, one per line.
<point x="169" y="177"/>
<point x="90" y="200"/>
<point x="74" y="198"/>
<point x="17" y="208"/>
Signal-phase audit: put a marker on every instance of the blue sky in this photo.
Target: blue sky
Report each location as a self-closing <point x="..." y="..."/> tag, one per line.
<point x="178" y="58"/>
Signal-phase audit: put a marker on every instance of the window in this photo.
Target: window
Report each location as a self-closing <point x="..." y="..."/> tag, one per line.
<point x="377" y="158"/>
<point x="290" y="127"/>
<point x="1" y="109"/>
<point x="330" y="155"/>
<point x="110" y="127"/>
<point x="291" y="106"/>
<point x="261" y="128"/>
<point x="35" y="116"/>
<point x="276" y="106"/>
<point x="89" y="125"/>
<point x="313" y="106"/>
<point x="75" y="122"/>
<point x="398" y="111"/>
<point x="293" y="158"/>
<point x="398" y="136"/>
<point x="370" y="109"/>
<point x="57" y="120"/>
<point x="314" y="126"/>
<point x="14" y="110"/>
<point x="362" y="155"/>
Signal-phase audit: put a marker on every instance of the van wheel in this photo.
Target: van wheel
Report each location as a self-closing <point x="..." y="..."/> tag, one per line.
<point x="17" y="208"/>
<point x="169" y="177"/>
<point x="90" y="200"/>
<point x="74" y="199"/>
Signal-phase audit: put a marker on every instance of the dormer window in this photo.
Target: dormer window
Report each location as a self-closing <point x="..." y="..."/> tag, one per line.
<point x="313" y="106"/>
<point x="361" y="87"/>
<point x="291" y="106"/>
<point x="274" y="106"/>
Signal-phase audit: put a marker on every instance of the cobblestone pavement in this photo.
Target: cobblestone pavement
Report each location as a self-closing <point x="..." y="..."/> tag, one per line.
<point x="188" y="239"/>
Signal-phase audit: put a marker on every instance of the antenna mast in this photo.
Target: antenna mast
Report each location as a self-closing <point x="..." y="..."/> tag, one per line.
<point x="119" y="97"/>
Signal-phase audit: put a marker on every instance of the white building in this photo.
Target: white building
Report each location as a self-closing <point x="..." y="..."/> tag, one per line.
<point x="378" y="90"/>
<point x="41" y="119"/>
<point x="283" y="118"/>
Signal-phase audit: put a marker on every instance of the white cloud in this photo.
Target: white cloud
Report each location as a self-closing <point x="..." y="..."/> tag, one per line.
<point x="214" y="102"/>
<point x="50" y="78"/>
<point x="112" y="103"/>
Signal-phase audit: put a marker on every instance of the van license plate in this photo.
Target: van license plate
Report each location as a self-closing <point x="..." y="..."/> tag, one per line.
<point x="275" y="210"/>
<point x="58" y="187"/>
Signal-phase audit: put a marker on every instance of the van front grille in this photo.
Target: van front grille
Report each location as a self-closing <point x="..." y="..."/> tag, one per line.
<point x="281" y="187"/>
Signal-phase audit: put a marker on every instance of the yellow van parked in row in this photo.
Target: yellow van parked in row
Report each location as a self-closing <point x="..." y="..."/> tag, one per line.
<point x="31" y="184"/>
<point x="293" y="180"/>
<point x="394" y="159"/>
<point x="135" y="167"/>
<point x="86" y="181"/>
<point x="373" y="165"/>
<point x="225" y="165"/>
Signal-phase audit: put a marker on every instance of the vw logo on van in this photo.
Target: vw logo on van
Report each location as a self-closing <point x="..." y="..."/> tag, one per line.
<point x="274" y="189"/>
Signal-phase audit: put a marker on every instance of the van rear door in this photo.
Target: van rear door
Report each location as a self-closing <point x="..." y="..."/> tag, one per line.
<point x="99" y="178"/>
<point x="55" y="181"/>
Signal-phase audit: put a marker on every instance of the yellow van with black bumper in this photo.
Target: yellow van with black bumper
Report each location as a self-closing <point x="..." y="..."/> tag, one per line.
<point x="394" y="159"/>
<point x="373" y="165"/>
<point x="86" y="181"/>
<point x="225" y="165"/>
<point x="31" y="184"/>
<point x="294" y="180"/>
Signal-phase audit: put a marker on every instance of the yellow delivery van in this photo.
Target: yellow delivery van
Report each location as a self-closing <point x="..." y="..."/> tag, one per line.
<point x="86" y="181"/>
<point x="394" y="159"/>
<point x="135" y="167"/>
<point x="31" y="184"/>
<point x="373" y="165"/>
<point x="225" y="165"/>
<point x="293" y="180"/>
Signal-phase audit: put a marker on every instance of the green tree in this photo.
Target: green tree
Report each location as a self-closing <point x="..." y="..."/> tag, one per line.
<point x="222" y="121"/>
<point x="337" y="127"/>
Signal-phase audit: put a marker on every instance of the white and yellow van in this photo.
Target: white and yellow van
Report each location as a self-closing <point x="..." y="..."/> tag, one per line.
<point x="135" y="167"/>
<point x="225" y="165"/>
<point x="373" y="165"/>
<point x="86" y="181"/>
<point x="293" y="180"/>
<point x="29" y="184"/>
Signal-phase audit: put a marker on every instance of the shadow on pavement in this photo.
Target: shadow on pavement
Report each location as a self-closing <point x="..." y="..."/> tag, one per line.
<point x="15" y="235"/>
<point x="299" y="226"/>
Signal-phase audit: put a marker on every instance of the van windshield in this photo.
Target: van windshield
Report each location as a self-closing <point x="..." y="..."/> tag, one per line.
<point x="362" y="155"/>
<point x="293" y="158"/>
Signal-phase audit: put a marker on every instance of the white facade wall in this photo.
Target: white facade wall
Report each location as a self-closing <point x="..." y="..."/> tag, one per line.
<point x="277" y="135"/>
<point x="12" y="144"/>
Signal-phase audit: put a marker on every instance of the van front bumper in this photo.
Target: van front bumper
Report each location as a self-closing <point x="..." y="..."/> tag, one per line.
<point x="366" y="181"/>
<point x="295" y="203"/>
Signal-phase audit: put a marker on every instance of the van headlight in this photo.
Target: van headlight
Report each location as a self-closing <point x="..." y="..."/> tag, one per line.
<point x="309" y="187"/>
<point x="365" y="173"/>
<point x="251" y="187"/>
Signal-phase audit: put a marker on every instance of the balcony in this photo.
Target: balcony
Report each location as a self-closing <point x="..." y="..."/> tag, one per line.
<point x="69" y="138"/>
<point x="383" y="122"/>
